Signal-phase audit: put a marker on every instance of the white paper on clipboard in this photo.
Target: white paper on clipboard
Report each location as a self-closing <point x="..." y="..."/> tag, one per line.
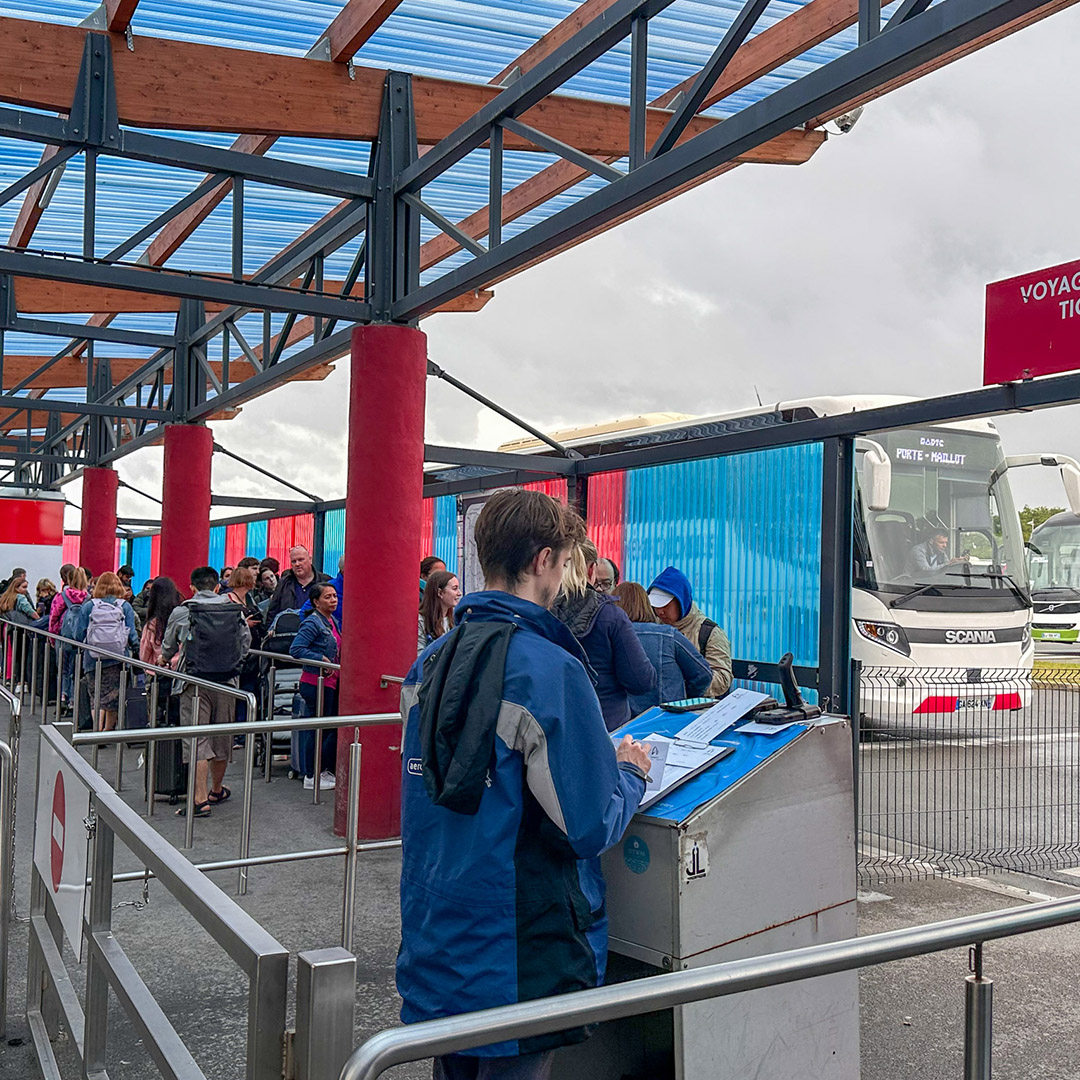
<point x="717" y="719"/>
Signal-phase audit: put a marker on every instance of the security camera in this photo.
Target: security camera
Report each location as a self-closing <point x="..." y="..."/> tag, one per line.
<point x="846" y="121"/>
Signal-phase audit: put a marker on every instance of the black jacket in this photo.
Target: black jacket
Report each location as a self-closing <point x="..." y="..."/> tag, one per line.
<point x="283" y="598"/>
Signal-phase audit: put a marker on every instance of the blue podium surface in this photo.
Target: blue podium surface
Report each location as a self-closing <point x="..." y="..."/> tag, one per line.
<point x="748" y="752"/>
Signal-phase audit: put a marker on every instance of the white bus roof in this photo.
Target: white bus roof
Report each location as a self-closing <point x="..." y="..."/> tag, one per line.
<point x="667" y="421"/>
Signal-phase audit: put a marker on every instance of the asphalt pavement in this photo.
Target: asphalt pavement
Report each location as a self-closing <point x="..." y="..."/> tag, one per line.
<point x="912" y="1011"/>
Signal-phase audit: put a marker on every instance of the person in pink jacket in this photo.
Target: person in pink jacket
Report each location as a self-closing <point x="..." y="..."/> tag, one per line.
<point x="74" y="591"/>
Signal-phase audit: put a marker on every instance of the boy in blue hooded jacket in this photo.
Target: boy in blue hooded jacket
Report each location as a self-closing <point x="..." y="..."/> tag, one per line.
<point x="511" y="790"/>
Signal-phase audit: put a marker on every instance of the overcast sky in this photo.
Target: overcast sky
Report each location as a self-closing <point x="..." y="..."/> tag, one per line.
<point x="862" y="271"/>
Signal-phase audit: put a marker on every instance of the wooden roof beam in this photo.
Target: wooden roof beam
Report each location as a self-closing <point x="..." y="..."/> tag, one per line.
<point x="354" y="25"/>
<point x="119" y="14"/>
<point x="181" y="85"/>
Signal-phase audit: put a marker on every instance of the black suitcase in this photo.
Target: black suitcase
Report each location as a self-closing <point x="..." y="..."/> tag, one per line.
<point x="170" y="770"/>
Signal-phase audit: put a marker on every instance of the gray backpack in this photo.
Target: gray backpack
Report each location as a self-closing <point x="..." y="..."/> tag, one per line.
<point x="108" y="629"/>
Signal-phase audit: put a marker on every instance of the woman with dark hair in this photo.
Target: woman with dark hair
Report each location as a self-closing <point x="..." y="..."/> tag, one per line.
<point x="164" y="596"/>
<point x="266" y="582"/>
<point x="318" y="639"/>
<point x="681" y="670"/>
<point x="437" y="608"/>
<point x="428" y="566"/>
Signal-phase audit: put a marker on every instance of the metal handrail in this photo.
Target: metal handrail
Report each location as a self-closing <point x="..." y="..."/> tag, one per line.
<point x="433" y="1038"/>
<point x="7" y="868"/>
<point x="261" y="957"/>
<point x="298" y="661"/>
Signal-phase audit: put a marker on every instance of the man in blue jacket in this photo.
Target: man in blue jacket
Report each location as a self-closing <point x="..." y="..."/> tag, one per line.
<point x="511" y="790"/>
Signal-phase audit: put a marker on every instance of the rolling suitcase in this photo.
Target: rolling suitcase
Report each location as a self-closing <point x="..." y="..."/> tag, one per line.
<point x="170" y="770"/>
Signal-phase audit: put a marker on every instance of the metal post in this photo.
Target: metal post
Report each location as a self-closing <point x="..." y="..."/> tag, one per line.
<point x="151" y="747"/>
<point x="45" y="665"/>
<point x="76" y="688"/>
<point x="97" y="983"/>
<point x="325" y="1008"/>
<point x="95" y="718"/>
<point x="318" y="738"/>
<point x="189" y="821"/>
<point x="121" y="704"/>
<point x="22" y="668"/>
<point x="856" y="735"/>
<point x="7" y="869"/>
<point x="978" y="1021"/>
<point x="834" y="628"/>
<point x="245" y="821"/>
<point x="59" y="682"/>
<point x="33" y="667"/>
<point x="348" y="904"/>
<point x="268" y="738"/>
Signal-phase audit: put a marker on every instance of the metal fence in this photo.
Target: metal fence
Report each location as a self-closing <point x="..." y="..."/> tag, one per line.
<point x="968" y="770"/>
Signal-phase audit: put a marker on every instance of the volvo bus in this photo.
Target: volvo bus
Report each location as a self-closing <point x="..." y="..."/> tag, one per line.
<point x="939" y="574"/>
<point x="1054" y="563"/>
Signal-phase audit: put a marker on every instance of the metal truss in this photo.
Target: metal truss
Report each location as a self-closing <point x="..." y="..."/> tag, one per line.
<point x="913" y="38"/>
<point x="212" y="361"/>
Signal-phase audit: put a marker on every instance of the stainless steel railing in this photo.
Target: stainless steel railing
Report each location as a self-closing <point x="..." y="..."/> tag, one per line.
<point x="320" y="693"/>
<point x="153" y="734"/>
<point x="194" y="732"/>
<point x="8" y="761"/>
<point x="51" y="993"/>
<point x="467" y="1031"/>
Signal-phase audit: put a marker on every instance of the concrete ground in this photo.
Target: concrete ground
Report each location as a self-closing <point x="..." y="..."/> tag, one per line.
<point x="912" y="1011"/>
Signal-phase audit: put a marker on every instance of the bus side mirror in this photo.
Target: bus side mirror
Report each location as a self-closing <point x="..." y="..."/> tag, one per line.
<point x="876" y="474"/>
<point x="1070" y="477"/>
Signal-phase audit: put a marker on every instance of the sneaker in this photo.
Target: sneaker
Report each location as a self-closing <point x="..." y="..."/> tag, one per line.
<point x="309" y="783"/>
<point x="326" y="781"/>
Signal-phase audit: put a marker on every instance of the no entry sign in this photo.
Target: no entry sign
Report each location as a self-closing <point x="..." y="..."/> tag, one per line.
<point x="1033" y="325"/>
<point x="60" y="840"/>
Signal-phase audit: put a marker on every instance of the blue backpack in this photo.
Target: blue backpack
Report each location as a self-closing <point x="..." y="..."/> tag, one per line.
<point x="71" y="616"/>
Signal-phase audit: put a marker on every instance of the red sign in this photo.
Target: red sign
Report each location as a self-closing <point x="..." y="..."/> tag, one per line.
<point x="1033" y="325"/>
<point x="32" y="521"/>
<point x="59" y="829"/>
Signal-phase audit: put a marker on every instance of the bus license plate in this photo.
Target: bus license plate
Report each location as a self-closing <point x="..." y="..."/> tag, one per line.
<point x="1051" y="635"/>
<point x="973" y="703"/>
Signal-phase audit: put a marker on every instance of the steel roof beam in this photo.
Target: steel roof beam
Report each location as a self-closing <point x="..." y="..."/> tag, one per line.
<point x="172" y="283"/>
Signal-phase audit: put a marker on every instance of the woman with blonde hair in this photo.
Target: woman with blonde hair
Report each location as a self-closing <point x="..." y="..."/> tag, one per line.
<point x="15" y="605"/>
<point x="107" y="625"/>
<point x="605" y="633"/>
<point x="74" y="593"/>
<point x="45" y="591"/>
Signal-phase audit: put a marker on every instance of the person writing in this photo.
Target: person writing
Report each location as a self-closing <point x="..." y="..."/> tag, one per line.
<point x="511" y="789"/>
<point x="318" y="639"/>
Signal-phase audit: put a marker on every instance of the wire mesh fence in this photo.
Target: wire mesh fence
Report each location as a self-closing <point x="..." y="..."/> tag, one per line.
<point x="968" y="770"/>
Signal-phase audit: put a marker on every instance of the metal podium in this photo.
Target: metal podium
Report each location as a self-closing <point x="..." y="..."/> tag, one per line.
<point x="753" y="856"/>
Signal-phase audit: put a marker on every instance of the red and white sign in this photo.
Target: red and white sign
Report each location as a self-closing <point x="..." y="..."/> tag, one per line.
<point x="32" y="536"/>
<point x="60" y="840"/>
<point x="1032" y="325"/>
<point x="59" y="827"/>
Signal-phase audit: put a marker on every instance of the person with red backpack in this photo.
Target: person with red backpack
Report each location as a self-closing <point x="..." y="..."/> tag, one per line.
<point x="210" y="635"/>
<point x="107" y="624"/>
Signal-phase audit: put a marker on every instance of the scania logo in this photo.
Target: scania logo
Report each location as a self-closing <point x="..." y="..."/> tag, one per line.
<point x="415" y="767"/>
<point x="970" y="637"/>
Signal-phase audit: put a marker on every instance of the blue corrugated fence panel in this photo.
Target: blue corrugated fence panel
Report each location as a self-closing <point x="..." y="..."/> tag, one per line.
<point x="216" y="557"/>
<point x="140" y="560"/>
<point x="746" y="531"/>
<point x="256" y="539"/>
<point x="333" y="540"/>
<point x="446" y="541"/>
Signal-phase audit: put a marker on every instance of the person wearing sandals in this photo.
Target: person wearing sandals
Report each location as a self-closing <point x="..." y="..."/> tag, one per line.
<point x="211" y="637"/>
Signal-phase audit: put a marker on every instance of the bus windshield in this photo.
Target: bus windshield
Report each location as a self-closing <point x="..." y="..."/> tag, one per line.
<point x="950" y="523"/>
<point x="1054" y="559"/>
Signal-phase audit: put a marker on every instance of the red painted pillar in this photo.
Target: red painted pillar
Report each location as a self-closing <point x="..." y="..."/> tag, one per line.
<point x="97" y="534"/>
<point x="382" y="523"/>
<point x="185" y="497"/>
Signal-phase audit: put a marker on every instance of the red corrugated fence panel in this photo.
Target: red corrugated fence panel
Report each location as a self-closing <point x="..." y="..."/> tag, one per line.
<point x="71" y="548"/>
<point x="279" y="540"/>
<point x="155" y="555"/>
<point x="607" y="513"/>
<point x="427" y="530"/>
<point x="555" y="488"/>
<point x="235" y="542"/>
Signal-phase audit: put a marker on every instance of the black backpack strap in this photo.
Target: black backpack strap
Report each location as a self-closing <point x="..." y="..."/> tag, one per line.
<point x="703" y="635"/>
